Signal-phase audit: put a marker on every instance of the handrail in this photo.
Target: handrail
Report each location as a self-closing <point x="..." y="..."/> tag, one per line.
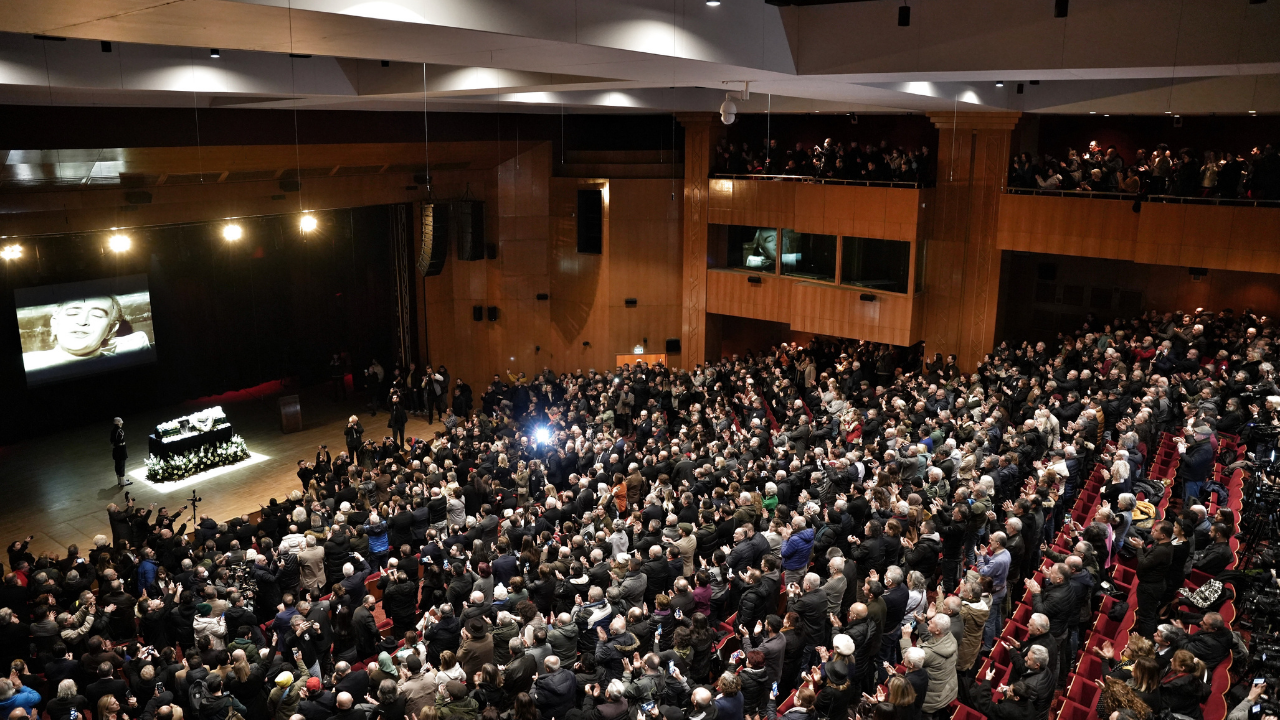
<point x="818" y="181"/>
<point x="1168" y="199"/>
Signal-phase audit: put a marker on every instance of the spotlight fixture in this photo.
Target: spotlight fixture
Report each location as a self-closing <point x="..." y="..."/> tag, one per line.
<point x="232" y="232"/>
<point x="1059" y="8"/>
<point x="106" y="46"/>
<point x="215" y="53"/>
<point x="1019" y="88"/>
<point x="1093" y="112"/>
<point x="386" y="63"/>
<point x="1168" y="112"/>
<point x="713" y="3"/>
<point x="904" y="16"/>
<point x="999" y="83"/>
<point x="11" y="252"/>
<point x="119" y="243"/>
<point x="1253" y="112"/>
<point x="307" y="223"/>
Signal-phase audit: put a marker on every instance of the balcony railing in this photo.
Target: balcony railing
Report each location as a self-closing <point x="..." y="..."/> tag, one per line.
<point x="1170" y="199"/>
<point x="818" y="181"/>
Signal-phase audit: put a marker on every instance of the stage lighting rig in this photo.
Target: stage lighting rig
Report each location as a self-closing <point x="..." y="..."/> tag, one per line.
<point x="307" y="223"/>
<point x="119" y="243"/>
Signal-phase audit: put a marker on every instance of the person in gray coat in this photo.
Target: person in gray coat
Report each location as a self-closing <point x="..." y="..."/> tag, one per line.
<point x="940" y="652"/>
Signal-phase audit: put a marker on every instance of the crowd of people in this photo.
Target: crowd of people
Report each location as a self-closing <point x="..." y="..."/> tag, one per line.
<point x="1161" y="171"/>
<point x="832" y="160"/>
<point x="576" y="549"/>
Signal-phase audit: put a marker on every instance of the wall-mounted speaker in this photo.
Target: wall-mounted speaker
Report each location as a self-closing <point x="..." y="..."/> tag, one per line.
<point x="491" y="251"/>
<point x="435" y="245"/>
<point x="543" y="296"/>
<point x="629" y="302"/>
<point x="590" y="218"/>
<point x="867" y="297"/>
<point x="493" y="313"/>
<point x="755" y="280"/>
<point x="477" y="312"/>
<point x="673" y="345"/>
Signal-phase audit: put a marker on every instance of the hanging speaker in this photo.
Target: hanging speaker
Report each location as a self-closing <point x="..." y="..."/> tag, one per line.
<point x="435" y="248"/>
<point x="477" y="312"/>
<point x="468" y="223"/>
<point x="493" y="314"/>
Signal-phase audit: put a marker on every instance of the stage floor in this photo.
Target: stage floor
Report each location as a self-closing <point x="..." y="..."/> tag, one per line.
<point x="61" y="483"/>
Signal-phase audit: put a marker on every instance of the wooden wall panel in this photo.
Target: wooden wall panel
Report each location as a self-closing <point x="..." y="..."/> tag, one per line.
<point x="729" y="293"/>
<point x="1245" y="239"/>
<point x="693" y="260"/>
<point x="875" y="212"/>
<point x="645" y="260"/>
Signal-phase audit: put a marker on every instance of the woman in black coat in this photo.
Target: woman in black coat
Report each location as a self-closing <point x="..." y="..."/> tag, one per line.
<point x="1182" y="690"/>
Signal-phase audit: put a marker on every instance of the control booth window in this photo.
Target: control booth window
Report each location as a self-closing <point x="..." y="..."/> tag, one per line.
<point x="808" y="255"/>
<point x="743" y="247"/>
<point x="877" y="264"/>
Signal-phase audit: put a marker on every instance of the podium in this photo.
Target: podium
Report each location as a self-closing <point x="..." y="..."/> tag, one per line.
<point x="290" y="414"/>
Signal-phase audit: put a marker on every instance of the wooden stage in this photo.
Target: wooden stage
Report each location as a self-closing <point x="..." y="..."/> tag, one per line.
<point x="60" y="484"/>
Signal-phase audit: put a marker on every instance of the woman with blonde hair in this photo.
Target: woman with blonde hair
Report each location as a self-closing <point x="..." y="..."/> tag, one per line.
<point x="1183" y="689"/>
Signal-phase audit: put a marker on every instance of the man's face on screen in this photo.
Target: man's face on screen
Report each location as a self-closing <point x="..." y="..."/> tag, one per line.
<point x="82" y="325"/>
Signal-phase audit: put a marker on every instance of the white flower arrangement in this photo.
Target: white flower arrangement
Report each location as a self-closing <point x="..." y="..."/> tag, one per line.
<point x="193" y="424"/>
<point x="206" y="457"/>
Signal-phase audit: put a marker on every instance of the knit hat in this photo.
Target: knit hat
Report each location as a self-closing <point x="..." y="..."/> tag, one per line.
<point x="203" y="609"/>
<point x="843" y="644"/>
<point x="455" y="689"/>
<point x="284" y="679"/>
<point x="314" y="684"/>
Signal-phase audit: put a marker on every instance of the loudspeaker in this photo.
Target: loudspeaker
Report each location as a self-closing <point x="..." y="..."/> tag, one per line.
<point x="629" y="302"/>
<point x="493" y="314"/>
<point x="491" y="251"/>
<point x="591" y="221"/>
<point x="477" y="312"/>
<point x="904" y="16"/>
<point x="290" y="414"/>
<point x="673" y="345"/>
<point x="435" y="245"/>
<point x="467" y="220"/>
<point x="755" y="280"/>
<point x="867" y="297"/>
<point x="543" y="296"/>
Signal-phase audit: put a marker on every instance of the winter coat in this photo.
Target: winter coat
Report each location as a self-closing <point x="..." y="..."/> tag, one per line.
<point x="940" y="662"/>
<point x="797" y="549"/>
<point x="555" y="694"/>
<point x="974" y="616"/>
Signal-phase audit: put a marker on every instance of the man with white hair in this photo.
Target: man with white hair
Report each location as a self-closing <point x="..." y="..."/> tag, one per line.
<point x="809" y="601"/>
<point x="939" y="661"/>
<point x="993" y="562"/>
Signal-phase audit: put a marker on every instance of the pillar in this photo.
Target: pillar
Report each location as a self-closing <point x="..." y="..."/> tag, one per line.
<point x="697" y="170"/>
<point x="962" y="264"/>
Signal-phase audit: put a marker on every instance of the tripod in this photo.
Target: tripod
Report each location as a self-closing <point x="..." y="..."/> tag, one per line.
<point x="193" y="500"/>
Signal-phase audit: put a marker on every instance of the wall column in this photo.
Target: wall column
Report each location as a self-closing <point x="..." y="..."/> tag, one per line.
<point x="962" y="266"/>
<point x="697" y="169"/>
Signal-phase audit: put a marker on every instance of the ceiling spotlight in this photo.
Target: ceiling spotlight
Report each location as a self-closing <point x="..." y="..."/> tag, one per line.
<point x="1093" y="112"/>
<point x="1253" y="112"/>
<point x="999" y="83"/>
<point x="1168" y="112"/>
<point x="307" y="223"/>
<point x="119" y="243"/>
<point x="904" y="16"/>
<point x="215" y="53"/>
<point x="713" y="3"/>
<point x="232" y="232"/>
<point x="11" y="252"/>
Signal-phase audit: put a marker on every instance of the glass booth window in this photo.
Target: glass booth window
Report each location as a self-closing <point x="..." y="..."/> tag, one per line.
<point x="743" y="247"/>
<point x="808" y="255"/>
<point x="877" y="264"/>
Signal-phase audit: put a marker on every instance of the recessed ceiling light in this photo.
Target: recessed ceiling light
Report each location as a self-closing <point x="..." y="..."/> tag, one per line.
<point x="713" y="3"/>
<point x="1253" y="112"/>
<point x="215" y="53"/>
<point x="1093" y="112"/>
<point x="999" y="83"/>
<point x="119" y="243"/>
<point x="1168" y="112"/>
<point x="232" y="232"/>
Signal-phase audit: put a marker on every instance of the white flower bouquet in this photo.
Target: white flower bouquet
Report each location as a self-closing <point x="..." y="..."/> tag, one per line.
<point x="207" y="457"/>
